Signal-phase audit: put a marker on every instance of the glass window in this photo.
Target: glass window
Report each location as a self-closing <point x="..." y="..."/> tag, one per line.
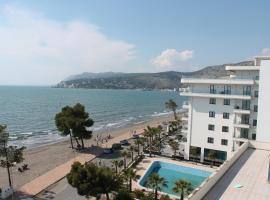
<point x="211" y="114"/>
<point x="225" y="129"/>
<point x="226" y="115"/>
<point x="212" y="101"/>
<point x="256" y="93"/>
<point x="253" y="136"/>
<point x="254" y="122"/>
<point x="210" y="140"/>
<point x="246" y="104"/>
<point x="247" y="90"/>
<point x="211" y="127"/>
<point x="245" y="119"/>
<point x="212" y="89"/>
<point x="244" y="133"/>
<point x="255" y="108"/>
<point x="224" y="142"/>
<point x="227" y="102"/>
<point x="227" y="89"/>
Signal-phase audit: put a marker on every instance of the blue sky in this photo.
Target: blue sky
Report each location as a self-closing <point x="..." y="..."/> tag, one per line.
<point x="42" y="42"/>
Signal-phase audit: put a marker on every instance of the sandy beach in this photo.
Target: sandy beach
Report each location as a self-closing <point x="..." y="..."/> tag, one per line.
<point x="44" y="158"/>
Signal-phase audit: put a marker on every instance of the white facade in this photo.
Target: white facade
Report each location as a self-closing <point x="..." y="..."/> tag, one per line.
<point x="222" y="113"/>
<point x="264" y="102"/>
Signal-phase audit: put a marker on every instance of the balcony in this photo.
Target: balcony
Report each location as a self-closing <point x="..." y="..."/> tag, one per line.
<point x="185" y="117"/>
<point x="213" y="94"/>
<point x="240" y="136"/>
<point x="241" y="110"/>
<point x="223" y="81"/>
<point x="241" y="124"/>
<point x="185" y="105"/>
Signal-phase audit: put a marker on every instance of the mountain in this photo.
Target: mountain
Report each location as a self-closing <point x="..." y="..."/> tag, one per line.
<point x="147" y="81"/>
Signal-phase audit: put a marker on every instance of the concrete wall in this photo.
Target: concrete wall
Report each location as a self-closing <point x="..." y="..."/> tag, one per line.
<point x="201" y="191"/>
<point x="263" y="131"/>
<point x="200" y="120"/>
<point x="259" y="145"/>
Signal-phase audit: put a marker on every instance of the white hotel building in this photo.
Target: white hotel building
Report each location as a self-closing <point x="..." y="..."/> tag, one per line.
<point x="223" y="113"/>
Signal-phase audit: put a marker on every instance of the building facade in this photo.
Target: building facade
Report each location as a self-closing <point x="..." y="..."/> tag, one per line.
<point x="225" y="112"/>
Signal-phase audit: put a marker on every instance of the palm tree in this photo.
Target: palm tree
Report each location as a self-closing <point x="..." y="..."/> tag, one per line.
<point x="131" y="151"/>
<point x="156" y="182"/>
<point x="149" y="133"/>
<point x="125" y="155"/>
<point x="182" y="187"/>
<point x="172" y="106"/>
<point x="130" y="175"/>
<point x="116" y="164"/>
<point x="9" y="155"/>
<point x="138" y="142"/>
<point x="175" y="146"/>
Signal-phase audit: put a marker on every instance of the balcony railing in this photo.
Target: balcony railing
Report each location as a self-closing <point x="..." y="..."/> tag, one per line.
<point x="237" y="107"/>
<point x="227" y="92"/>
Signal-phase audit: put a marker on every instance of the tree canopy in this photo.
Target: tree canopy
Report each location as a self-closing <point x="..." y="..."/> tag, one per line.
<point x="172" y="106"/>
<point x="90" y="180"/>
<point x="156" y="182"/>
<point x="74" y="121"/>
<point x="182" y="187"/>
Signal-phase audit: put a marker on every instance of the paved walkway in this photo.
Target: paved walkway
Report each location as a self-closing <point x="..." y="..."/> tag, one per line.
<point x="251" y="171"/>
<point x="42" y="182"/>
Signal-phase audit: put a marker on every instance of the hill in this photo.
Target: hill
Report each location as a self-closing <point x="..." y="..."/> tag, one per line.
<point x="147" y="81"/>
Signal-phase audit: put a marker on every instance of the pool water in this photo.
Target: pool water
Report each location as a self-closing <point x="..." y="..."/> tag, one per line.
<point x="173" y="173"/>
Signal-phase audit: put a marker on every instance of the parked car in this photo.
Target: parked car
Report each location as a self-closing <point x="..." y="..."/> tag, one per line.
<point x="116" y="146"/>
<point x="135" y="136"/>
<point x="108" y="150"/>
<point x="124" y="142"/>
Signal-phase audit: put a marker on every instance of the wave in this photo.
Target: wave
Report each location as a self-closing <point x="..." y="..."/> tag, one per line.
<point x="27" y="133"/>
<point x="157" y="114"/>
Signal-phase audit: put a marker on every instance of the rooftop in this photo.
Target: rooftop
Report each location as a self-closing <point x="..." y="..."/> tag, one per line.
<point x="251" y="171"/>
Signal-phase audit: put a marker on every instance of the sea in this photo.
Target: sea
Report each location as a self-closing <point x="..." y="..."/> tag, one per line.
<point x="29" y="111"/>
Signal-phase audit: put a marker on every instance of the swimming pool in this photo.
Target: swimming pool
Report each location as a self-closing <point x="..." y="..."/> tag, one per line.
<point x="172" y="173"/>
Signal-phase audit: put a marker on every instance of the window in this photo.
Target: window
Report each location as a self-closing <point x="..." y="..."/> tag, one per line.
<point x="244" y="133"/>
<point x="247" y="90"/>
<point x="211" y="127"/>
<point x="255" y="108"/>
<point x="211" y="114"/>
<point x="253" y="136"/>
<point x="225" y="129"/>
<point x="226" y="115"/>
<point x="227" y="102"/>
<point x="212" y="101"/>
<point x="212" y="89"/>
<point x="245" y="119"/>
<point x="257" y="78"/>
<point x="210" y="140"/>
<point x="254" y="122"/>
<point x="227" y="89"/>
<point x="246" y="104"/>
<point x="256" y="93"/>
<point x="224" y="142"/>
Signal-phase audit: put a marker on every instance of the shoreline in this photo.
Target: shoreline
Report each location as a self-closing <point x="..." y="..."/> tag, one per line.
<point x="113" y="131"/>
<point x="48" y="156"/>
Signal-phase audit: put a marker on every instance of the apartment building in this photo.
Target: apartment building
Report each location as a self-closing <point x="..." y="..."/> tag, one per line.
<point x="225" y="112"/>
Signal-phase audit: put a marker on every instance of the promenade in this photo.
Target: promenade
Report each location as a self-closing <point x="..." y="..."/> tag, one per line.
<point x="42" y="182"/>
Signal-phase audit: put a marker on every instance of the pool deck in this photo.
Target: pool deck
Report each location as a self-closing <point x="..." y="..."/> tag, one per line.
<point x="146" y="162"/>
<point x="251" y="171"/>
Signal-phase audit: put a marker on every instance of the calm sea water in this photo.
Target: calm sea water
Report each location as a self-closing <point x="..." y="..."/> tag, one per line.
<point x="29" y="111"/>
